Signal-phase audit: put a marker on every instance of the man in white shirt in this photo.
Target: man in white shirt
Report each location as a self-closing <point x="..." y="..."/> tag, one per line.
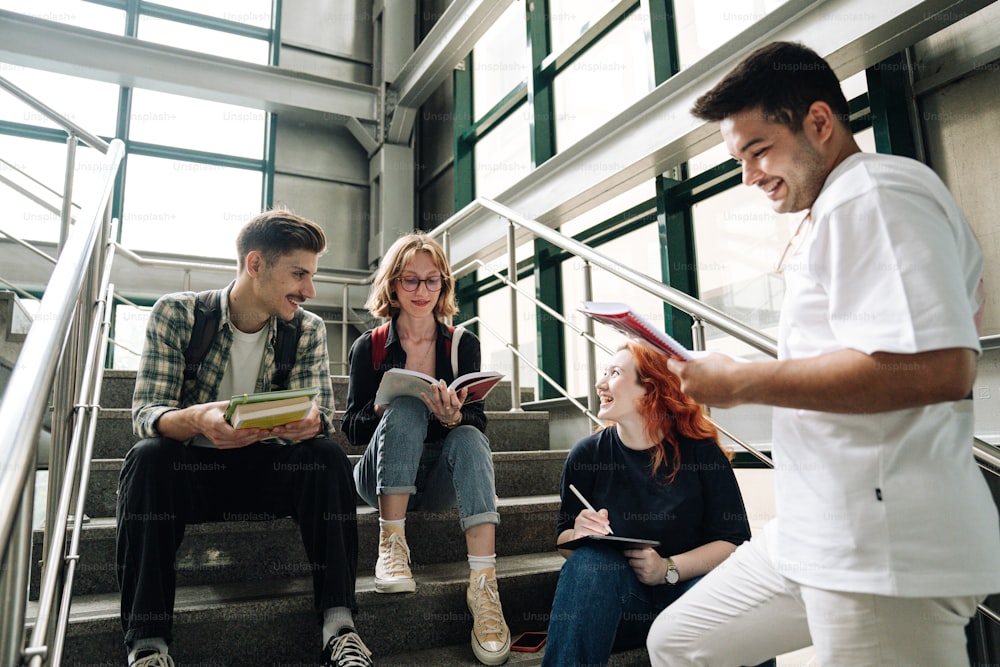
<point x="886" y="536"/>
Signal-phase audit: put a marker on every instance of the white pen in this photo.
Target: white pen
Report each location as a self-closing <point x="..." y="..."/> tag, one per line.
<point x="587" y="504"/>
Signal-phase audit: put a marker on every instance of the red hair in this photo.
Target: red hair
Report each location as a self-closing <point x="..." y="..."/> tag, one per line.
<point x="667" y="413"/>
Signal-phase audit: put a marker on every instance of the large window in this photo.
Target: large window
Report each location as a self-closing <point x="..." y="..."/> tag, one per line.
<point x="63" y="94"/>
<point x="185" y="122"/>
<point x="568" y="19"/>
<point x="205" y="40"/>
<point x="499" y="60"/>
<point x="503" y="157"/>
<point x="603" y="81"/>
<point x="80" y="13"/>
<point x="187" y="208"/>
<point x="194" y="170"/>
<point x="702" y="27"/>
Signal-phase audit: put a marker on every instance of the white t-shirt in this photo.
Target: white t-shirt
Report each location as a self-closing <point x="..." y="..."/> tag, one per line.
<point x="890" y="503"/>
<point x="242" y="369"/>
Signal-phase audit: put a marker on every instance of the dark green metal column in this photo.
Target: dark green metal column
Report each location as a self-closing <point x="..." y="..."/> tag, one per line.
<point x="890" y="97"/>
<point x="551" y="334"/>
<point x="663" y="30"/>
<point x="465" y="176"/>
<point x="677" y="253"/>
<point x="675" y="223"/>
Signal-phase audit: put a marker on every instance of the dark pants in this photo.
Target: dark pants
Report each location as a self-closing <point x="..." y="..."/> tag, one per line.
<point x="166" y="485"/>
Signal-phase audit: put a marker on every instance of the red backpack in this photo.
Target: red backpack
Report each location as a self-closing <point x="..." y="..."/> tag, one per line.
<point x="380" y="335"/>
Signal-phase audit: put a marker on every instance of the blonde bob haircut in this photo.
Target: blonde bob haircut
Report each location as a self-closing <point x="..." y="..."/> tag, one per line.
<point x="382" y="301"/>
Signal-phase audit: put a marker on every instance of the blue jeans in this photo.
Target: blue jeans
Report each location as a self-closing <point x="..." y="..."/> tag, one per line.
<point x="600" y="606"/>
<point x="437" y="475"/>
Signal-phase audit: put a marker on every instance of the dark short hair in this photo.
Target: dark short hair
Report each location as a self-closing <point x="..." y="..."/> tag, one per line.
<point x="780" y="80"/>
<point x="276" y="233"/>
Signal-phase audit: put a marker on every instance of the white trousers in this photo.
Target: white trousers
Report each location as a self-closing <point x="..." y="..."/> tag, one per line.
<point x="745" y="612"/>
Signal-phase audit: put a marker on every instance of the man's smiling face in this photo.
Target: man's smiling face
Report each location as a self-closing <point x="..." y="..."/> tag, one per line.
<point x="787" y="167"/>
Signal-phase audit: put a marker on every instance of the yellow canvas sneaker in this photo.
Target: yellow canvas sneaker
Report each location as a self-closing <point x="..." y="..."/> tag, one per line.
<point x="490" y="636"/>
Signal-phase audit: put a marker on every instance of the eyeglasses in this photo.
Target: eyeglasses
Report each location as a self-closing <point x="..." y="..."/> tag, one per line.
<point x="411" y="283"/>
<point x="795" y="243"/>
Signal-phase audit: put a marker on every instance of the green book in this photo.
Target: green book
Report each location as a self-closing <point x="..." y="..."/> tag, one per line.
<point x="268" y="409"/>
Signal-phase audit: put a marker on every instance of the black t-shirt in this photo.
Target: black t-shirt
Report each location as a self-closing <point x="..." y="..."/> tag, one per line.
<point x="702" y="504"/>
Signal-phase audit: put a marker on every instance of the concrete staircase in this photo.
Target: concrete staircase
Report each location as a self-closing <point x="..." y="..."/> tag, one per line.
<point x="244" y="591"/>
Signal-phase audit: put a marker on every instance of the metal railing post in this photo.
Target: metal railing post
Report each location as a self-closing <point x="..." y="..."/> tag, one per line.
<point x="66" y="215"/>
<point x="588" y="295"/>
<point x="698" y="333"/>
<point x="15" y="560"/>
<point x="515" y="365"/>
<point x="344" y="308"/>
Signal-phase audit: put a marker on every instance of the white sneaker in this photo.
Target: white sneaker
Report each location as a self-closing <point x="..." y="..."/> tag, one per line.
<point x="490" y="636"/>
<point x="392" y="569"/>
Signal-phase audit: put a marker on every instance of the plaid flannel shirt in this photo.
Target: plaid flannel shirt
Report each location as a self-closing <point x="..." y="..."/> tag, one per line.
<point x="160" y="382"/>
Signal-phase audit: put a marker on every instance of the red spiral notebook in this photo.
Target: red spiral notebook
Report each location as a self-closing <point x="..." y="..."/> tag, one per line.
<point x="621" y="317"/>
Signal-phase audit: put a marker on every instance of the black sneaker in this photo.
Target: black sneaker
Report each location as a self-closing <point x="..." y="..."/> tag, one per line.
<point x="346" y="650"/>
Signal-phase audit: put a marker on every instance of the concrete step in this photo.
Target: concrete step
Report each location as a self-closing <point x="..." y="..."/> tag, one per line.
<point x="517" y="474"/>
<point x="261" y="551"/>
<point x="272" y="622"/>
<point x="116" y="391"/>
<point x="459" y="655"/>
<point x="507" y="432"/>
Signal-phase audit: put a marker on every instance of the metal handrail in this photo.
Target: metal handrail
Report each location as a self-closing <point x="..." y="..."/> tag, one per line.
<point x="532" y="365"/>
<point x="34" y="180"/>
<point x="674" y="297"/>
<point x="28" y="246"/>
<point x="760" y="456"/>
<point x="72" y="128"/>
<point x="669" y="295"/>
<point x="987" y="456"/>
<point x="25" y="402"/>
<point x="80" y="453"/>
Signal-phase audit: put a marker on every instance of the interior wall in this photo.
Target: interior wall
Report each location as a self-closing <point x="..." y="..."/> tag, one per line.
<point x="958" y="122"/>
<point x="321" y="171"/>
<point x="329" y="37"/>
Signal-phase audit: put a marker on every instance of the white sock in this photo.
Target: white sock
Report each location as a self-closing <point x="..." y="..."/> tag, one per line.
<point x="336" y="619"/>
<point x="400" y="524"/>
<point x="482" y="562"/>
<point x="145" y="643"/>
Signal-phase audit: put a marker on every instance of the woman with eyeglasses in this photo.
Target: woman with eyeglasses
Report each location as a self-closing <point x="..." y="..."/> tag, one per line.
<point x="431" y="453"/>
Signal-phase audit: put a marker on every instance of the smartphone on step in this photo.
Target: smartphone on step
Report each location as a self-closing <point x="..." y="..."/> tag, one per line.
<point x="528" y="642"/>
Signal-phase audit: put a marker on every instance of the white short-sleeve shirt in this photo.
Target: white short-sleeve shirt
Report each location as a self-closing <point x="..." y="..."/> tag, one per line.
<point x="890" y="503"/>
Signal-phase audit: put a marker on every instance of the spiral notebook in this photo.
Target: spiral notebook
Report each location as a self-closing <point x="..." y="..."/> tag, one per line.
<point x="623" y="318"/>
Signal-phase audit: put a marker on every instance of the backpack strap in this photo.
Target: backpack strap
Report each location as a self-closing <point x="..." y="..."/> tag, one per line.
<point x="456" y="336"/>
<point x="207" y="315"/>
<point x="380" y="335"/>
<point x="285" y="345"/>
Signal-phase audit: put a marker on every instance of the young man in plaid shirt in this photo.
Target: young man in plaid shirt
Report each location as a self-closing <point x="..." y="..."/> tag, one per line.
<point x="192" y="466"/>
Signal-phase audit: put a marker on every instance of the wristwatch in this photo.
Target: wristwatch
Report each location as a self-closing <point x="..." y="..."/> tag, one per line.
<point x="672" y="575"/>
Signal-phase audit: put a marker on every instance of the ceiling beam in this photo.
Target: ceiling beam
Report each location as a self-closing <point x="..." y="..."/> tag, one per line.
<point x="449" y="41"/>
<point x="126" y="61"/>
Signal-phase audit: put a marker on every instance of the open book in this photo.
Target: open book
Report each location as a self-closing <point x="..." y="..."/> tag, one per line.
<point x="270" y="408"/>
<point x="622" y="317"/>
<point x="621" y="543"/>
<point x="403" y="382"/>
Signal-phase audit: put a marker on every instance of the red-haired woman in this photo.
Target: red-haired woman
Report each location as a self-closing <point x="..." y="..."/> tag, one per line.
<point x="657" y="473"/>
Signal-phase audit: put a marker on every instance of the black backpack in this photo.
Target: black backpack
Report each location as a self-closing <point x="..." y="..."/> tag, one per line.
<point x="208" y="314"/>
